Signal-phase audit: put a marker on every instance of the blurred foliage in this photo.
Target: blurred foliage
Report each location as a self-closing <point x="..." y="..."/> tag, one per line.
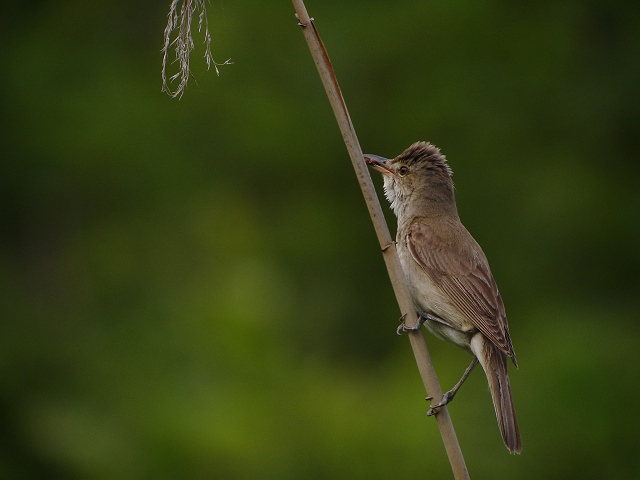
<point x="192" y="289"/>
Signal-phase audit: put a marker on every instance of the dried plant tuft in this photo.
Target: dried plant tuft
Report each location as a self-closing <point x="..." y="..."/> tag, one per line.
<point x="179" y="20"/>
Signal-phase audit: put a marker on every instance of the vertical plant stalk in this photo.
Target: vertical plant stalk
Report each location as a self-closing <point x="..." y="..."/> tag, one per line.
<point x="390" y="254"/>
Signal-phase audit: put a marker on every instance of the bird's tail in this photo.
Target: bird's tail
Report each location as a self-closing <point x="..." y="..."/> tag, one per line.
<point x="494" y="362"/>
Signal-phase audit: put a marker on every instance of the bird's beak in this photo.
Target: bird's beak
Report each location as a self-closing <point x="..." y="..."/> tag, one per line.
<point x="378" y="163"/>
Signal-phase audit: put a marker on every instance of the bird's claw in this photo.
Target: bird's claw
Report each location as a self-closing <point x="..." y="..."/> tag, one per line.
<point x="446" y="398"/>
<point x="402" y="328"/>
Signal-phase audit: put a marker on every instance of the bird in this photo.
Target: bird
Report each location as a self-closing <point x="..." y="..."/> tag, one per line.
<point x="453" y="290"/>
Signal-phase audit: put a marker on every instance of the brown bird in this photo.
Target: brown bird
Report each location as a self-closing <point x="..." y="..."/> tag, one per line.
<point x="448" y="274"/>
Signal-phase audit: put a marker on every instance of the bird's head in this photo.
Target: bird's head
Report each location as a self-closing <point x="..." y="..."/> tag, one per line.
<point x="417" y="176"/>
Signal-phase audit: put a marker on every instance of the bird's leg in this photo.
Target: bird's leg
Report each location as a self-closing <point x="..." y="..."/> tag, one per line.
<point x="422" y="317"/>
<point x="447" y="397"/>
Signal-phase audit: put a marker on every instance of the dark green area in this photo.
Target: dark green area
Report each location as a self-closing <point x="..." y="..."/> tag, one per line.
<point x="193" y="289"/>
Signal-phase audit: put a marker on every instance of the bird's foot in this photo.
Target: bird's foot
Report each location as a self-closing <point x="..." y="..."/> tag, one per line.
<point x="403" y="328"/>
<point x="446" y="398"/>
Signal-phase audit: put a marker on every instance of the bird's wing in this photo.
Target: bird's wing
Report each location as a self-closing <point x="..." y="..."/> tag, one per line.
<point x="462" y="273"/>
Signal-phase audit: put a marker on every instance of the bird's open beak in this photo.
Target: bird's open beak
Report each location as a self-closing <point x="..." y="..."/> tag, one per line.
<point x="378" y="163"/>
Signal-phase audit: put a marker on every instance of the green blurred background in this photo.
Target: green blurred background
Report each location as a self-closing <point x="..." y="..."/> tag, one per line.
<point x="193" y="289"/>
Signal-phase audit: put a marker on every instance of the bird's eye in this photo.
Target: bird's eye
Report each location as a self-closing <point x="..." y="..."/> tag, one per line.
<point x="403" y="170"/>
